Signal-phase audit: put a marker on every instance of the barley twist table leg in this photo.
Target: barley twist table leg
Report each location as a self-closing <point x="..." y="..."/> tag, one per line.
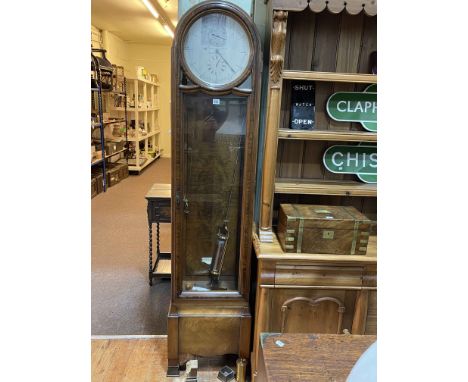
<point x="150" y="231"/>
<point x="157" y="241"/>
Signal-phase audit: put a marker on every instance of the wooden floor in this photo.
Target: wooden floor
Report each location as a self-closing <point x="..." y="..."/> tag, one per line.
<point x="135" y="360"/>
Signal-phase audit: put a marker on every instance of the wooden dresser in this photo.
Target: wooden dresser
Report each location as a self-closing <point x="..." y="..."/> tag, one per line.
<point x="328" y="46"/>
<point x="313" y="293"/>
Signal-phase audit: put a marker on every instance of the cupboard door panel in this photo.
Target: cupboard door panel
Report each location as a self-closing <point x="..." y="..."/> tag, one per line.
<point x="303" y="317"/>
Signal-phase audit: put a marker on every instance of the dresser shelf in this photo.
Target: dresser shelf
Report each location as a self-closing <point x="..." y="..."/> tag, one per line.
<point x="324" y="187"/>
<point x="329" y="77"/>
<point x="273" y="251"/>
<point x="328" y="135"/>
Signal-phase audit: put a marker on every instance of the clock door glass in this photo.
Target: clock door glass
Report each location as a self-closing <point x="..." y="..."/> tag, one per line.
<point x="214" y="135"/>
<point x="216" y="49"/>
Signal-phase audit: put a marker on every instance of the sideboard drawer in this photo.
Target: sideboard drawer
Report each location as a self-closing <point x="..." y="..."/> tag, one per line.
<point x="316" y="275"/>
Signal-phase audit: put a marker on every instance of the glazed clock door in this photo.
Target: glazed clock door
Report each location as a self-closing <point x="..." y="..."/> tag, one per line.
<point x="213" y="136"/>
<point x="215" y="113"/>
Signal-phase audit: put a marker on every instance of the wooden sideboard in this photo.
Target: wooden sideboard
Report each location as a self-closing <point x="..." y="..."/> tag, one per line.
<point x="313" y="293"/>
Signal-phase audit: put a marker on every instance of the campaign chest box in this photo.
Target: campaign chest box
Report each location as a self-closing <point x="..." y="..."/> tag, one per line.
<point x="337" y="230"/>
<point x="96" y="182"/>
<point x="116" y="172"/>
<point x="99" y="183"/>
<point x="113" y="147"/>
<point x="123" y="170"/>
<point x="93" y="187"/>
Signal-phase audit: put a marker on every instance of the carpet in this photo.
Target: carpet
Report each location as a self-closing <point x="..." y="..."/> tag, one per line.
<point x="122" y="301"/>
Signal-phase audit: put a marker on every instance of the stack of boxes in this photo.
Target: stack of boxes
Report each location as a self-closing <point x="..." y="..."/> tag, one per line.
<point x="96" y="181"/>
<point x="114" y="174"/>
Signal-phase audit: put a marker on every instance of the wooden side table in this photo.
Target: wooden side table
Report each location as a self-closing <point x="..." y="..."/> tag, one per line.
<point x="159" y="211"/>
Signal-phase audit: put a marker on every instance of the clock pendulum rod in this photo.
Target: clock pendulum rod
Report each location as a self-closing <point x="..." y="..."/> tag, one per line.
<point x="223" y="231"/>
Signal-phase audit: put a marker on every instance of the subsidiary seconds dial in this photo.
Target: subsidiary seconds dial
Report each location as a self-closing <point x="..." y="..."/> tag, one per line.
<point x="216" y="49"/>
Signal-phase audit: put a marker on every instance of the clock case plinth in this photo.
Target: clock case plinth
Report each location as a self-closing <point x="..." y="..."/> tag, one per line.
<point x="212" y="323"/>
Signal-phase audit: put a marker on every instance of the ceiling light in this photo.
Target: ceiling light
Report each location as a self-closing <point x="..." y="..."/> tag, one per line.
<point x="161" y="18"/>
<point x="169" y="30"/>
<point x="150" y="7"/>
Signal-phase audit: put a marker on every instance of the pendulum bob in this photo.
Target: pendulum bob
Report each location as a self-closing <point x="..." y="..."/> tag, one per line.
<point x="218" y="255"/>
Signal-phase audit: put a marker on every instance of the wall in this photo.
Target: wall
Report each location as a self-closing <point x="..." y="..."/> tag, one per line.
<point x="117" y="51"/>
<point x="185" y="5"/>
<point x="156" y="59"/>
<point x="96" y="37"/>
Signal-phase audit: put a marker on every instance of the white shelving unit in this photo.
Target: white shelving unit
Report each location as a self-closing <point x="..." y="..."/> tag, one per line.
<point x="143" y="108"/>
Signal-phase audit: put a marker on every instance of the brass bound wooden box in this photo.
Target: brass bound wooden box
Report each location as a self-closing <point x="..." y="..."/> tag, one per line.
<point x="337" y="230"/>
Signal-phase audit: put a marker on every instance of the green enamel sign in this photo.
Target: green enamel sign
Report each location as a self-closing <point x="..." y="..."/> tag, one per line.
<point x="359" y="160"/>
<point x="367" y="178"/>
<point x="355" y="107"/>
<point x="370" y="126"/>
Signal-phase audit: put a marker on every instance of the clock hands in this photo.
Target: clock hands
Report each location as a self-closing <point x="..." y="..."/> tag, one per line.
<point x="218" y="36"/>
<point x="227" y="63"/>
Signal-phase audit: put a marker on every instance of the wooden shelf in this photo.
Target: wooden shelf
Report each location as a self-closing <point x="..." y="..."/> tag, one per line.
<point x="324" y="187"/>
<point x="107" y="156"/>
<point x="273" y="251"/>
<point x="118" y="120"/>
<point x="140" y="138"/>
<point x="163" y="268"/>
<point x="132" y="109"/>
<point x="327" y="135"/>
<point x="103" y="91"/>
<point x="113" y="154"/>
<point x="148" y="109"/>
<point x="148" y="161"/>
<point x="144" y="81"/>
<point x="329" y="76"/>
<point x="96" y="162"/>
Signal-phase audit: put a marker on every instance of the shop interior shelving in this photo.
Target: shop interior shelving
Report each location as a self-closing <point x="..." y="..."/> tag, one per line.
<point x="143" y="131"/>
<point x="99" y="125"/>
<point x="101" y="99"/>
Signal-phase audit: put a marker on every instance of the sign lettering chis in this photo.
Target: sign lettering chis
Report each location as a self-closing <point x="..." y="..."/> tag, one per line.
<point x="360" y="160"/>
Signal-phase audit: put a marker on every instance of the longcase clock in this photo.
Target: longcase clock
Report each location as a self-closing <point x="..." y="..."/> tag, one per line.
<point x="216" y="74"/>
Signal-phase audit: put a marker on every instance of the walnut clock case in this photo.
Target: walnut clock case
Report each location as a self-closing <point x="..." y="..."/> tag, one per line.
<point x="216" y="74"/>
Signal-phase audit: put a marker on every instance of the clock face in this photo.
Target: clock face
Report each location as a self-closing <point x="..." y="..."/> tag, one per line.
<point x="216" y="49"/>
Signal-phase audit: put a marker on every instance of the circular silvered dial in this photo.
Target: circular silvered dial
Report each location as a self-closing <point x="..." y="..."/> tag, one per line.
<point x="216" y="49"/>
